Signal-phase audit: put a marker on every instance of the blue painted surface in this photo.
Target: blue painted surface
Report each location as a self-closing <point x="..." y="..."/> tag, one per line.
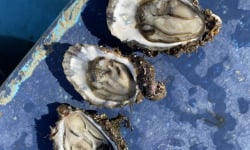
<point x="207" y="106"/>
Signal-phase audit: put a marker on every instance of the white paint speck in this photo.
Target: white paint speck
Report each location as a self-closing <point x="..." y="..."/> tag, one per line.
<point x="15" y="118"/>
<point x="240" y="76"/>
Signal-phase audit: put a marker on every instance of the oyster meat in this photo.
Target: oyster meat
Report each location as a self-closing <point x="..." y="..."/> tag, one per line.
<point x="85" y="130"/>
<point x="170" y="26"/>
<point x="106" y="78"/>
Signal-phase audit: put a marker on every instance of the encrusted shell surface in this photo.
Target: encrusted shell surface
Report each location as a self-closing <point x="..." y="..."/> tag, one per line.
<point x="105" y="78"/>
<point x="170" y="26"/>
<point x="85" y="130"/>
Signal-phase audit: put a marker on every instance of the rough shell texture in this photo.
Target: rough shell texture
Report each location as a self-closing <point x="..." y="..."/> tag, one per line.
<point x="106" y="78"/>
<point x="171" y="26"/>
<point x="146" y="79"/>
<point x="79" y="129"/>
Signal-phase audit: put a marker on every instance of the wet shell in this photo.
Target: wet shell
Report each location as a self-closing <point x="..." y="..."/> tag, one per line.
<point x="170" y="26"/>
<point x="82" y="130"/>
<point x="105" y="78"/>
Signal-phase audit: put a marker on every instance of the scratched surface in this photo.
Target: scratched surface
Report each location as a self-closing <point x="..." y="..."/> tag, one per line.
<point x="207" y="106"/>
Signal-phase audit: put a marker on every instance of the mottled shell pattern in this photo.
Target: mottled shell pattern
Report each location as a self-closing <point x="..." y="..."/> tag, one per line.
<point x="85" y="130"/>
<point x="171" y="26"/>
<point x="105" y="78"/>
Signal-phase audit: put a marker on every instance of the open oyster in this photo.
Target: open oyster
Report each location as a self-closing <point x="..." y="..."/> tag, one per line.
<point x="172" y="26"/>
<point x="82" y="130"/>
<point x="106" y="78"/>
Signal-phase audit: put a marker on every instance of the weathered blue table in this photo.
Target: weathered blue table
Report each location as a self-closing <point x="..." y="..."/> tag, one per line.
<point x="207" y="106"/>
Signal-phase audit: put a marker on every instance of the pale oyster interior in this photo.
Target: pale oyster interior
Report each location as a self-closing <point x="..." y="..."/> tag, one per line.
<point x="169" y="21"/>
<point x="102" y="77"/>
<point x="110" y="79"/>
<point x="78" y="131"/>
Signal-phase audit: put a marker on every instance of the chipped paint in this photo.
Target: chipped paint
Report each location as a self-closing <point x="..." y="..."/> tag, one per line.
<point x="68" y="18"/>
<point x="65" y="21"/>
<point x="25" y="72"/>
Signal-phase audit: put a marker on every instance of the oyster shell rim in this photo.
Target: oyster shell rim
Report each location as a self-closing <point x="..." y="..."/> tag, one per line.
<point x="101" y="102"/>
<point x="109" y="128"/>
<point x="213" y="25"/>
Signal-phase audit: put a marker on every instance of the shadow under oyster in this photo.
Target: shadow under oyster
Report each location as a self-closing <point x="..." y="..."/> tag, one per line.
<point x="105" y="78"/>
<point x="78" y="129"/>
<point x="171" y="26"/>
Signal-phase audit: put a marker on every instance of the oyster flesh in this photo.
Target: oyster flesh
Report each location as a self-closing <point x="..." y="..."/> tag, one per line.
<point x="104" y="77"/>
<point x="170" y="26"/>
<point x="82" y="130"/>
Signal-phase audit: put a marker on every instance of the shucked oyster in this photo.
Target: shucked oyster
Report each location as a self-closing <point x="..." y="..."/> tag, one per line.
<point x="172" y="26"/>
<point x="106" y="78"/>
<point x="84" y="130"/>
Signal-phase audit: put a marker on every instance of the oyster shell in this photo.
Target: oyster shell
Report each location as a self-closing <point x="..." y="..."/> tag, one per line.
<point x="104" y="77"/>
<point x="170" y="26"/>
<point x="85" y="130"/>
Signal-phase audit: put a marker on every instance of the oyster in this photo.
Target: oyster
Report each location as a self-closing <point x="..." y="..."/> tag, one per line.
<point x="170" y="26"/>
<point x="106" y="78"/>
<point x="82" y="130"/>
